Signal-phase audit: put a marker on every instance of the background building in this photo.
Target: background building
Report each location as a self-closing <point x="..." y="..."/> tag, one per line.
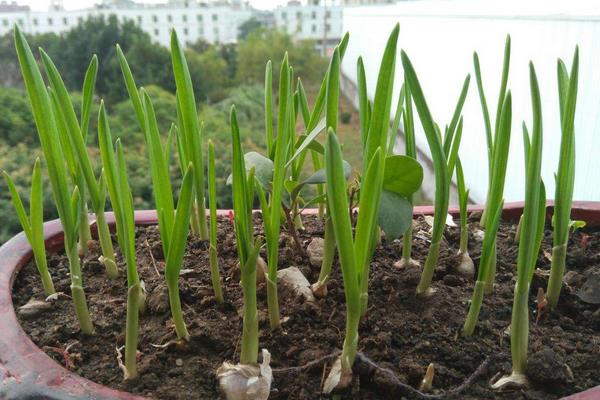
<point x="215" y="21"/>
<point x="319" y="22"/>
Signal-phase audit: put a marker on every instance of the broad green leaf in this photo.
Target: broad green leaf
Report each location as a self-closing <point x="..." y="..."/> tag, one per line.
<point x="403" y="175"/>
<point x="320" y="177"/>
<point x="263" y="168"/>
<point x="395" y="214"/>
<point x="577" y="224"/>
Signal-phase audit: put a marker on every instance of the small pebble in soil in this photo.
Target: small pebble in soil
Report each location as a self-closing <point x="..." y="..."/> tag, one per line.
<point x="547" y="367"/>
<point x="452" y="280"/>
<point x="315" y="251"/>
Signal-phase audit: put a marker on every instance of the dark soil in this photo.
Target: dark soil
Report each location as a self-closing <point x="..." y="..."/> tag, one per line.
<point x="401" y="333"/>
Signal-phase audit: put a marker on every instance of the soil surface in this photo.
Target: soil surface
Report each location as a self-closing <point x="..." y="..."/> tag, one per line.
<point x="401" y="333"/>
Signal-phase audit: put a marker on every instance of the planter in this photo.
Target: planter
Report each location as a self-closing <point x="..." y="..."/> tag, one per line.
<point x="27" y="372"/>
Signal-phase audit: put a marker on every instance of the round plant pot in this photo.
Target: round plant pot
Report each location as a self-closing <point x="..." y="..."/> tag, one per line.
<point x="27" y="372"/>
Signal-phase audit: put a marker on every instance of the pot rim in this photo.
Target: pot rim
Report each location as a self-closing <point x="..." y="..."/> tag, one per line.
<point x="26" y="370"/>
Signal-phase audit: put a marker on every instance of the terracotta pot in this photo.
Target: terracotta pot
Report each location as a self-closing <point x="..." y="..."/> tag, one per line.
<point x="27" y="372"/>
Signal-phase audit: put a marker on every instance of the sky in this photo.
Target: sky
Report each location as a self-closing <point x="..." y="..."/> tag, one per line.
<point x="42" y="5"/>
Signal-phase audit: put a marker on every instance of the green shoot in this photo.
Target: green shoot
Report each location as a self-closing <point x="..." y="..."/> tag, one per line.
<point x="565" y="177"/>
<point x="492" y="136"/>
<point x="499" y="164"/>
<point x="411" y="151"/>
<point x="33" y="225"/>
<point x="443" y="167"/>
<point x="191" y="130"/>
<point x="173" y="226"/>
<point x="332" y="90"/>
<point x="272" y="213"/>
<point x="247" y="247"/>
<point x="487" y="266"/>
<point x="402" y="175"/>
<point x="66" y="203"/>
<point x="74" y="148"/>
<point x="466" y="265"/>
<point x="115" y="174"/>
<point x="212" y="200"/>
<point x="529" y="245"/>
<point x="355" y="252"/>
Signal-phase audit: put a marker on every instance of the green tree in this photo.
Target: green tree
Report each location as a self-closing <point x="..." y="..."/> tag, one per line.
<point x="16" y="121"/>
<point x="251" y="25"/>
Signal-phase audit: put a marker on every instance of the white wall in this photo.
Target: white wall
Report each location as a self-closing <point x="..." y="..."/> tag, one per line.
<point x="440" y="38"/>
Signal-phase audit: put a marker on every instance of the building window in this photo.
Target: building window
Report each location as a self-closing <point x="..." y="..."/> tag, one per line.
<point x="5" y="22"/>
<point x="284" y="15"/>
<point x="328" y="27"/>
<point x="199" y="17"/>
<point x="313" y="28"/>
<point x="328" y="14"/>
<point x="35" y="21"/>
<point x="169" y="18"/>
<point x="20" y="21"/>
<point x="185" y="31"/>
<point x="299" y="15"/>
<point x="184" y="18"/>
<point x="201" y="31"/>
<point x="65" y="21"/>
<point x="156" y="32"/>
<point x="79" y="20"/>
<point x="154" y="18"/>
<point x="139" y="19"/>
<point x="215" y="17"/>
<point x="314" y="15"/>
<point x="49" y="21"/>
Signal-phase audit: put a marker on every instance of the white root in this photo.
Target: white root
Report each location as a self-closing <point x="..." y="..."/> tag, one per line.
<point x="337" y="380"/>
<point x="246" y="381"/>
<point x="512" y="381"/>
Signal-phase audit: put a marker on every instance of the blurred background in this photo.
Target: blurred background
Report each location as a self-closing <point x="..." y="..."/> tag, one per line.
<point x="229" y="42"/>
